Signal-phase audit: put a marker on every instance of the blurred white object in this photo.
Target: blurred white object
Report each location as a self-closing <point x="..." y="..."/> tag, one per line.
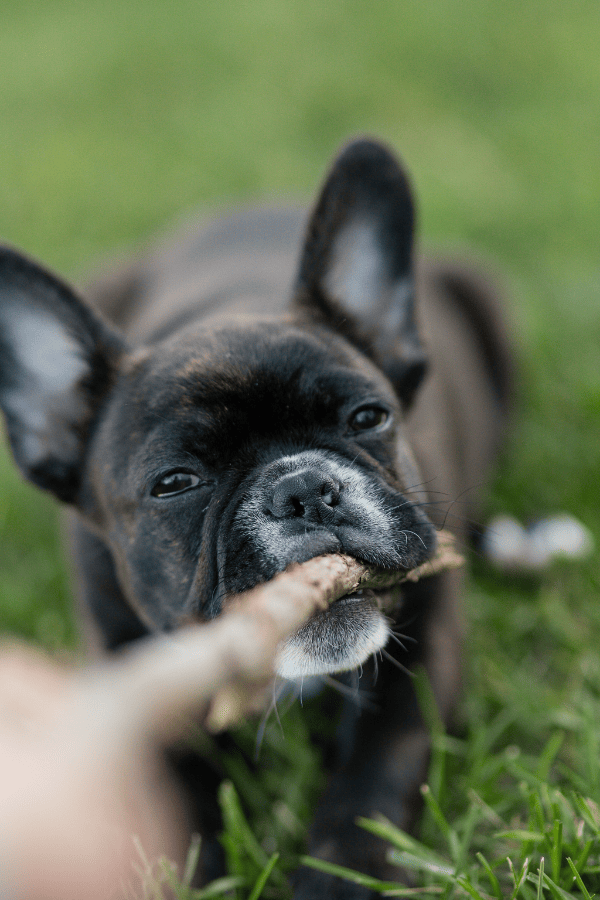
<point x="512" y="547"/>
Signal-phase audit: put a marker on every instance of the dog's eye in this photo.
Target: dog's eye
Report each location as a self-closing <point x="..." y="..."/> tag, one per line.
<point x="175" y="483"/>
<point x="367" y="418"/>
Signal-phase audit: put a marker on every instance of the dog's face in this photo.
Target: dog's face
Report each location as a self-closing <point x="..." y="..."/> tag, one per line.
<point x="227" y="456"/>
<point x="211" y="460"/>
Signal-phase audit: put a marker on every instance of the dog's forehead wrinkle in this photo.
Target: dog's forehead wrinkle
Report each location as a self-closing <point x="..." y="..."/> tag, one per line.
<point x="272" y="388"/>
<point x="233" y="353"/>
<point x="278" y="371"/>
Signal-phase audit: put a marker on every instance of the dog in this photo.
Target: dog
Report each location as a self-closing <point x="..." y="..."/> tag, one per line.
<point x="259" y="390"/>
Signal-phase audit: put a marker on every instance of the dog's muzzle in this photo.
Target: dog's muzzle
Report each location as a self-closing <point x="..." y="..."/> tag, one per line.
<point x="314" y="503"/>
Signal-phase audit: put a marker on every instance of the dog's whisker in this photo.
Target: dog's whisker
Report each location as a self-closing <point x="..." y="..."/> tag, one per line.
<point x="404" y="637"/>
<point x="418" y="536"/>
<point x="361" y="699"/>
<point x="420" y="484"/>
<point x="397" y="664"/>
<point x="406" y="623"/>
<point x="456" y="499"/>
<point x="375" y="668"/>
<point x="398" y="641"/>
<point x="260" y="733"/>
<point x="278" y="689"/>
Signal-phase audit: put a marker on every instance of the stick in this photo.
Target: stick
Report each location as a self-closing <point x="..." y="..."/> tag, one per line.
<point x="81" y="753"/>
<point x="220" y="670"/>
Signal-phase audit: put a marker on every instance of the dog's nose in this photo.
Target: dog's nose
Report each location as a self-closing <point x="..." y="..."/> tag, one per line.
<point x="308" y="493"/>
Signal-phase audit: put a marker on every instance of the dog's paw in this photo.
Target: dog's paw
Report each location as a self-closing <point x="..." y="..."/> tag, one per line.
<point x="513" y="548"/>
<point x="309" y="884"/>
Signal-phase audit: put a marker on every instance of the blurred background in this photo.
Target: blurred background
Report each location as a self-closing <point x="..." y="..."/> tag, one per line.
<point x="117" y="117"/>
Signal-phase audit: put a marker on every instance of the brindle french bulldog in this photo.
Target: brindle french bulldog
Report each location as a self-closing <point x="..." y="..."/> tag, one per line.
<point x="243" y="411"/>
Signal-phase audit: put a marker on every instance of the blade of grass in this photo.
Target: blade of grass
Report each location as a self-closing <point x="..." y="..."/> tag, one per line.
<point x="588" y="810"/>
<point x="466" y="885"/>
<point x="578" y="879"/>
<point x="386" y="830"/>
<point x="490" y="814"/>
<point x="583" y="856"/>
<point x="431" y="715"/>
<point x="433" y="890"/>
<point x="518" y="880"/>
<point x="437" y="815"/>
<point x="537" y="812"/>
<point x="495" y="884"/>
<point x="218" y="887"/>
<point x="464" y="834"/>
<point x="421" y="864"/>
<point x="191" y="861"/>
<point x="556" y="845"/>
<point x="540" y="881"/>
<point x="557" y="892"/>
<point x="548" y="755"/>
<point x="520" y="834"/>
<point x="263" y="878"/>
<point x="237" y="826"/>
<point x="367" y="881"/>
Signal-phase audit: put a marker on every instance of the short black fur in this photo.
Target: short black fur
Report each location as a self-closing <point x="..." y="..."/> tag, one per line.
<point x="255" y="394"/>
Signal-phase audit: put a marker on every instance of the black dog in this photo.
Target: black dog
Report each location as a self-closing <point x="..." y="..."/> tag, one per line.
<point x="235" y="430"/>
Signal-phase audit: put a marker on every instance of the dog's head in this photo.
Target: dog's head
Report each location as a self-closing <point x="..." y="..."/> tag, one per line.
<point x="213" y="459"/>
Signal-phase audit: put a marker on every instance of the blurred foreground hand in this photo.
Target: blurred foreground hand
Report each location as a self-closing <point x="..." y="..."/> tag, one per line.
<point x="81" y="767"/>
<point x="71" y="799"/>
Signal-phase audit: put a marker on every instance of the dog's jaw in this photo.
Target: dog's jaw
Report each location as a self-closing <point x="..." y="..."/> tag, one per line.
<point x="339" y="639"/>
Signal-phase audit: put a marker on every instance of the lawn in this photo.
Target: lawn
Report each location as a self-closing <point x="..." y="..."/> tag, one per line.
<point x="117" y="117"/>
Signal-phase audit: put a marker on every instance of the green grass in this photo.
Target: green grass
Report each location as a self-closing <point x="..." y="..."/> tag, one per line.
<point x="117" y="116"/>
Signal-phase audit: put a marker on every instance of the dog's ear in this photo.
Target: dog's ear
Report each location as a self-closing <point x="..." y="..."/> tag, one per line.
<point x="57" y="362"/>
<point x="356" y="270"/>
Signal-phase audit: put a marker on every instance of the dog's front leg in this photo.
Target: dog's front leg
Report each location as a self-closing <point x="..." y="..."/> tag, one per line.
<point x="384" y="751"/>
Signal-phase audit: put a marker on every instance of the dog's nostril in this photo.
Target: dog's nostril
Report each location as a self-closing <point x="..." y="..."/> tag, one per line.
<point x="330" y="493"/>
<point x="308" y="493"/>
<point x="298" y="507"/>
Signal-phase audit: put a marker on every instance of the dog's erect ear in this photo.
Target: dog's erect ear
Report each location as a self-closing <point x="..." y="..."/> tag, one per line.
<point x="356" y="269"/>
<point x="57" y="362"/>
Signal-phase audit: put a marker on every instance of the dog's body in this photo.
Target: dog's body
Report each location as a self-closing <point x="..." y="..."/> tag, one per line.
<point x="233" y="432"/>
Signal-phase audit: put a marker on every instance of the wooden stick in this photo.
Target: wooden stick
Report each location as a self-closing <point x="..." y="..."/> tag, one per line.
<point x="220" y="670"/>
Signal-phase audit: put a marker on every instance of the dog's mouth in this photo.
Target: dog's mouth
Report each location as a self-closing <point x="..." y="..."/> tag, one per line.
<point x="355" y="626"/>
<point x="340" y="638"/>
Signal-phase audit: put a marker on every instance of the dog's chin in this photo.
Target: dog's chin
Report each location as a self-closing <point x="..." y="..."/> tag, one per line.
<point x="337" y="640"/>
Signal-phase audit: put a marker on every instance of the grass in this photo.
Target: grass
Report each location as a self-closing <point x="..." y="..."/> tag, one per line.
<point x="117" y="116"/>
